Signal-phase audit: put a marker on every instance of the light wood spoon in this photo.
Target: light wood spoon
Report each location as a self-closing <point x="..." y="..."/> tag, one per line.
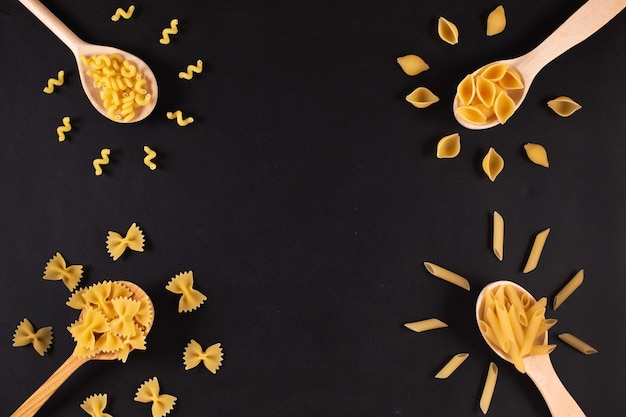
<point x="538" y="367"/>
<point x="583" y="23"/>
<point x="79" y="47"/>
<point x="30" y="407"/>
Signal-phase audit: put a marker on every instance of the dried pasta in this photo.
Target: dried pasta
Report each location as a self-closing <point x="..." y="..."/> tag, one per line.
<point x="564" y="106"/>
<point x="568" y="289"/>
<point x="57" y="270"/>
<point x="211" y="357"/>
<point x="537" y="154"/>
<point x="95" y="404"/>
<point x="172" y="30"/>
<point x="424" y="325"/>
<point x="452" y="365"/>
<point x="52" y="82"/>
<point x="577" y="344"/>
<point x="447" y="31"/>
<point x="536" y="249"/>
<point x="191" y="69"/>
<point x="422" y="97"/>
<point x="489" y="387"/>
<point x="498" y="235"/>
<point x="496" y="21"/>
<point x="449" y="146"/>
<point x="103" y="160"/>
<point x="25" y="334"/>
<point x="117" y="244"/>
<point x="190" y="298"/>
<point x="493" y="164"/>
<point x="412" y="64"/>
<point x="149" y="392"/>
<point x="178" y="115"/>
<point x="149" y="158"/>
<point x="121" y="13"/>
<point x="64" y="128"/>
<point x="447" y="275"/>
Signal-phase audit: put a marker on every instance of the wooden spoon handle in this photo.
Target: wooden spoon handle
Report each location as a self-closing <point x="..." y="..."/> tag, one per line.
<point x="54" y="24"/>
<point x="45" y="391"/>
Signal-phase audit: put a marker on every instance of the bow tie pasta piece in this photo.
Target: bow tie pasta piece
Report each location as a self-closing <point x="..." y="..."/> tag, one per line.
<point x="493" y="164"/>
<point x="95" y="404"/>
<point x="117" y="244"/>
<point x="422" y="97"/>
<point x="412" y="64"/>
<point x="496" y="21"/>
<point x="447" y="31"/>
<point x="190" y="298"/>
<point x="123" y="324"/>
<point x="149" y="391"/>
<point x="92" y="323"/>
<point x="564" y="106"/>
<point x="57" y="270"/>
<point x="211" y="357"/>
<point x="25" y="334"/>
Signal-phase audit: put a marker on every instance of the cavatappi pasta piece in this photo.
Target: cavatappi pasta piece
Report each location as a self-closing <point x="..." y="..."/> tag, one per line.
<point x="498" y="235"/>
<point x="191" y="69"/>
<point x="172" y="30"/>
<point x="496" y="21"/>
<point x="178" y="115"/>
<point x="447" y="31"/>
<point x="103" y="160"/>
<point x="503" y="107"/>
<point x="452" y="365"/>
<point x="211" y="357"/>
<point x="64" y="128"/>
<point x="25" y="334"/>
<point x="148" y="160"/>
<point x="449" y="146"/>
<point x="149" y="392"/>
<point x="121" y="13"/>
<point x="493" y="164"/>
<point x="52" y="82"/>
<point x="564" y="106"/>
<point x="466" y="90"/>
<point x="117" y="244"/>
<point x="568" y="289"/>
<point x="422" y="97"/>
<point x="577" y="344"/>
<point x="489" y="387"/>
<point x="537" y="154"/>
<point x="447" y="275"/>
<point x="95" y="404"/>
<point x="424" y="325"/>
<point x="190" y="298"/>
<point x="536" y="249"/>
<point x="412" y="64"/>
<point x="57" y="270"/>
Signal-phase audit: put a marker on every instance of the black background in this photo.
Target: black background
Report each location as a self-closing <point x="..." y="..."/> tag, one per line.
<point x="305" y="198"/>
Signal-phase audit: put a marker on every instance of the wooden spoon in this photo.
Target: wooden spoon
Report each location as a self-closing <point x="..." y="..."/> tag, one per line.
<point x="79" y="47"/>
<point x="30" y="407"/>
<point x="538" y="367"/>
<point x="583" y="23"/>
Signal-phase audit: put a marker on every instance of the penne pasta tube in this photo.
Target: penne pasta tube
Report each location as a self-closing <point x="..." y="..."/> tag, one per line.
<point x="546" y="325"/>
<point x="493" y="321"/>
<point x="499" y="295"/>
<point x="451" y="366"/>
<point x="488" y="332"/>
<point x="540" y="304"/>
<point x="498" y="235"/>
<point x="531" y="331"/>
<point x="541" y="349"/>
<point x="514" y="317"/>
<point x="516" y="358"/>
<point x="447" y="275"/>
<point x="505" y="323"/>
<point x="424" y="325"/>
<point x="568" y="289"/>
<point x="489" y="387"/>
<point x="577" y="344"/>
<point x="536" y="250"/>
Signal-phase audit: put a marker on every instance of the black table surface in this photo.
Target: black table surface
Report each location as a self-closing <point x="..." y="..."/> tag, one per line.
<point x="305" y="198"/>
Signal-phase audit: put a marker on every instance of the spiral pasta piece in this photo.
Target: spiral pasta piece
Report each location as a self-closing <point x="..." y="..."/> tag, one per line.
<point x="178" y="115"/>
<point x="64" y="128"/>
<point x="52" y="82"/>
<point x="104" y="160"/>
<point x="120" y="13"/>
<point x="150" y="155"/>
<point x="191" y="69"/>
<point x="172" y="30"/>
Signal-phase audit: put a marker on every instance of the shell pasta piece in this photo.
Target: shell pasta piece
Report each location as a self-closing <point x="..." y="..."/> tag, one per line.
<point x="493" y="164"/>
<point x="25" y="334"/>
<point x="412" y="64"/>
<point x="496" y="21"/>
<point x="577" y="344"/>
<point x="190" y="298"/>
<point x="486" y="91"/>
<point x="472" y="114"/>
<point x="211" y="357"/>
<point x="117" y="244"/>
<point x="503" y="107"/>
<point x="57" y="270"/>
<point x="537" y="154"/>
<point x="447" y="275"/>
<point x="447" y="31"/>
<point x="95" y="404"/>
<point x="424" y="325"/>
<point x="536" y="250"/>
<point x="449" y="146"/>
<point x="466" y="90"/>
<point x="568" y="289"/>
<point x="564" y="106"/>
<point x="452" y="365"/>
<point x="422" y="97"/>
<point x="149" y="392"/>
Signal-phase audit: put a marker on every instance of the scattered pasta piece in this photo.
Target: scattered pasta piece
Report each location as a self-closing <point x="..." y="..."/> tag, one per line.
<point x="568" y="289"/>
<point x="120" y="13"/>
<point x="537" y="154"/>
<point x="211" y="357"/>
<point x="493" y="164"/>
<point x="498" y="235"/>
<point x="452" y="365"/>
<point x="103" y="160"/>
<point x="95" y="404"/>
<point x="536" y="250"/>
<point x="178" y="115"/>
<point x="577" y="344"/>
<point x="117" y="244"/>
<point x="190" y="298"/>
<point x="564" y="106"/>
<point x="172" y="30"/>
<point x="424" y="325"/>
<point x="150" y="155"/>
<point x="412" y="64"/>
<point x="449" y="146"/>
<point x="149" y="392"/>
<point x="496" y="21"/>
<point x="489" y="387"/>
<point x="64" y="128"/>
<point x="57" y="269"/>
<point x="447" y="31"/>
<point x="25" y="334"/>
<point x="52" y="82"/>
<point x="191" y="69"/>
<point x="422" y="97"/>
<point x="447" y="275"/>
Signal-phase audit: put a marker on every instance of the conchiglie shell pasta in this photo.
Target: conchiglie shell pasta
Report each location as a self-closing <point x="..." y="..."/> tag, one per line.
<point x="449" y="146"/>
<point x="503" y="107"/>
<point x="511" y="80"/>
<point x="493" y="164"/>
<point x="466" y="90"/>
<point x="422" y="97"/>
<point x="496" y="21"/>
<point x="486" y="91"/>
<point x="471" y="114"/>
<point x="412" y="64"/>
<point x="447" y="31"/>
<point x="564" y="106"/>
<point x="537" y="154"/>
<point x="494" y="72"/>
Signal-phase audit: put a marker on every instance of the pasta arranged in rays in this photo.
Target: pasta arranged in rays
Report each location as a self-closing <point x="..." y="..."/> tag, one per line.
<point x="57" y="270"/>
<point x="95" y="404"/>
<point x="536" y="250"/>
<point x="211" y="357"/>
<point x="447" y="275"/>
<point x="577" y="344"/>
<point x="190" y="298"/>
<point x="568" y="289"/>
<point x="488" y="387"/>
<point x="452" y="365"/>
<point x="25" y="335"/>
<point x="424" y="325"/>
<point x="149" y="392"/>
<point x="117" y="244"/>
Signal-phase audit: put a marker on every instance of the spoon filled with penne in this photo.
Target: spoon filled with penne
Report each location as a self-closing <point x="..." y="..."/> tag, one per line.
<point x="120" y="86"/>
<point x="514" y="326"/>
<point x="491" y="94"/>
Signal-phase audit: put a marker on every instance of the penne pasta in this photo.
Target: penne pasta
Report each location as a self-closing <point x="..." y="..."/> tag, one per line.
<point x="452" y="365"/>
<point x="577" y="344"/>
<point x="568" y="289"/>
<point x="536" y="250"/>
<point x="424" y="325"/>
<point x="531" y="334"/>
<point x="498" y="235"/>
<point x="489" y="387"/>
<point x="447" y="275"/>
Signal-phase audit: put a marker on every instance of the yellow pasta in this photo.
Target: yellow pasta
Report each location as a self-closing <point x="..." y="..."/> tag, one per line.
<point x="447" y="275"/>
<point x="178" y="115"/>
<point x="536" y="249"/>
<point x="95" y="404"/>
<point x="422" y="97"/>
<point x="471" y="114"/>
<point x="190" y="298"/>
<point x="449" y="146"/>
<point x="568" y="289"/>
<point x="466" y="90"/>
<point x="25" y="334"/>
<point x="57" y="270"/>
<point x="150" y="155"/>
<point x="447" y="31"/>
<point x="172" y="30"/>
<point x="117" y="244"/>
<point x="498" y="235"/>
<point x="64" y="128"/>
<point x="493" y="164"/>
<point x="211" y="357"/>
<point x="452" y="365"/>
<point x="486" y="91"/>
<point x="52" y="82"/>
<point x="489" y="387"/>
<point x="103" y="160"/>
<point x="496" y="21"/>
<point x="149" y="392"/>
<point x="425" y="325"/>
<point x="577" y="344"/>
<point x="191" y="69"/>
<point x="494" y="72"/>
<point x="537" y="154"/>
<point x="503" y="107"/>
<point x="412" y="64"/>
<point x="564" y="106"/>
<point x="121" y="13"/>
